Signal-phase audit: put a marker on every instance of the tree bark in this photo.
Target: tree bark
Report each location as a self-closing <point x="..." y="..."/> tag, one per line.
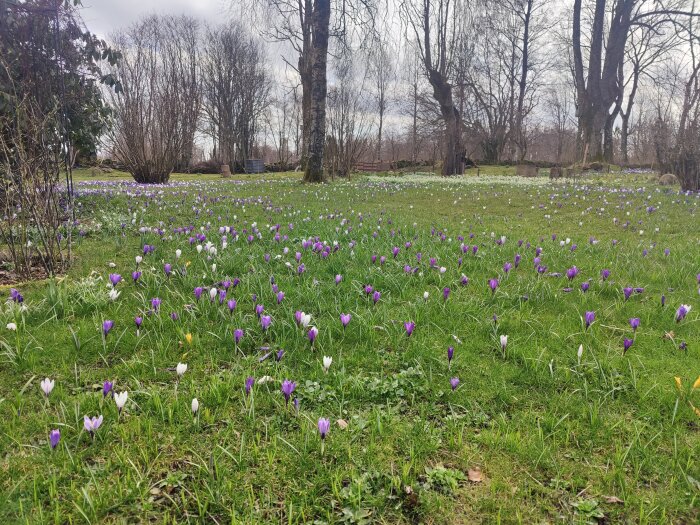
<point x="319" y="89"/>
<point x="453" y="163"/>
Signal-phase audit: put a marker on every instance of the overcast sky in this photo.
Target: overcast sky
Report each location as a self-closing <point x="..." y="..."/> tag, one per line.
<point x="104" y="16"/>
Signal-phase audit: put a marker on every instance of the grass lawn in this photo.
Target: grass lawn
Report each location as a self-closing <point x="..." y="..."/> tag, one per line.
<point x="555" y="425"/>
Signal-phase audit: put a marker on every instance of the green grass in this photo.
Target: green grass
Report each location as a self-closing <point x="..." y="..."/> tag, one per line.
<point x="556" y="440"/>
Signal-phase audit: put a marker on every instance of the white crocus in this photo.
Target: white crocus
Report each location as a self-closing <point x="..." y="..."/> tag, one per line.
<point x="504" y="342"/>
<point x="120" y="399"/>
<point x="178" y="253"/>
<point x="327" y="361"/>
<point x="579" y="354"/>
<point x="199" y="248"/>
<point x="426" y="295"/>
<point x="114" y="294"/>
<point x="12" y="326"/>
<point x="195" y="405"/>
<point x="181" y="369"/>
<point x="139" y="259"/>
<point x="305" y="319"/>
<point x="47" y="386"/>
<point x="212" y="293"/>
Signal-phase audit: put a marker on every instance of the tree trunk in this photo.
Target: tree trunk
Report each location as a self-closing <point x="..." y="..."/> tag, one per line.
<point x="453" y="162"/>
<point x="624" y="134"/>
<point x="319" y="89"/>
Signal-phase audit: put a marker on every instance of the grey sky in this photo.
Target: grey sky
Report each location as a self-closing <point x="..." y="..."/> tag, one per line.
<point x="104" y="16"/>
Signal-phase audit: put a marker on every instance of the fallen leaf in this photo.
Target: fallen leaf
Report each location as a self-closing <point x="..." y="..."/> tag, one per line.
<point x="697" y="383"/>
<point x="679" y="384"/>
<point x="342" y="424"/>
<point x="612" y="499"/>
<point x="474" y="475"/>
<point x="669" y="335"/>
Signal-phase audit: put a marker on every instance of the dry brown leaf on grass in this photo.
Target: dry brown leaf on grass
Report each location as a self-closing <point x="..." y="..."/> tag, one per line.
<point x="342" y="424"/>
<point x="474" y="475"/>
<point x="612" y="499"/>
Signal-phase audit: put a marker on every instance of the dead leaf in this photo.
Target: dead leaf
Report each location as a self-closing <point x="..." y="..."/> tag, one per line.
<point x="669" y="335"/>
<point x="474" y="475"/>
<point x="342" y="424"/>
<point x="612" y="499"/>
<point x="697" y="383"/>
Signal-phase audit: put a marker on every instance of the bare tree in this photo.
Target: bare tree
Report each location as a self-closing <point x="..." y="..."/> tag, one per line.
<point x="382" y="72"/>
<point x="436" y="26"/>
<point x="156" y="112"/>
<point x="598" y="85"/>
<point x="235" y="86"/>
<point x="348" y="121"/>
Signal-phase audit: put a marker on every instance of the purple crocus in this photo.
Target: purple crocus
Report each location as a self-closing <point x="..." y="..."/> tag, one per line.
<point x="138" y="321"/>
<point x="198" y="292"/>
<point x="231" y="305"/>
<point x="155" y="303"/>
<point x="54" y="437"/>
<point x="409" y="326"/>
<point x="280" y="297"/>
<point x="107" y="387"/>
<point x="627" y="344"/>
<point x="338" y="279"/>
<point x="604" y="274"/>
<point x="168" y="269"/>
<point x="92" y="424"/>
<point x="279" y="355"/>
<point x="324" y="425"/>
<point x="313" y="334"/>
<point x="682" y="312"/>
<point x="493" y="284"/>
<point x="445" y="293"/>
<point x="585" y="285"/>
<point x="136" y="276"/>
<point x="107" y="326"/>
<point x="507" y="267"/>
<point x="249" y="382"/>
<point x="589" y="317"/>
<point x="634" y="323"/>
<point x="265" y="322"/>
<point x="115" y="279"/>
<point x="627" y="291"/>
<point x="376" y="296"/>
<point x="16" y="296"/>
<point x="345" y="319"/>
<point x="450" y="354"/>
<point x="287" y="389"/>
<point x="572" y="272"/>
<point x="259" y="309"/>
<point x="454" y="383"/>
<point x="237" y="335"/>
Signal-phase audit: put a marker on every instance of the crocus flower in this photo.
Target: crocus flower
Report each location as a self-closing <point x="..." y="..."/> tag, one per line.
<point x="265" y="322"/>
<point x="120" y="400"/>
<point x="136" y="275"/>
<point x="115" y="279"/>
<point x="280" y="297"/>
<point x="155" y="303"/>
<point x="195" y="406"/>
<point x="47" y="386"/>
<point x="107" y="388"/>
<point x="107" y="326"/>
<point x="450" y="354"/>
<point x="237" y="335"/>
<point x="54" y="437"/>
<point x="663" y="301"/>
<point x="345" y="319"/>
<point x="504" y="342"/>
<point x="259" y="309"/>
<point x="168" y="269"/>
<point x="589" y="317"/>
<point x="376" y="296"/>
<point x="627" y="343"/>
<point x="327" y="361"/>
<point x="181" y="368"/>
<point x="409" y="326"/>
<point x="572" y="272"/>
<point x="338" y="279"/>
<point x="604" y="274"/>
<point x="313" y="333"/>
<point x="454" y="382"/>
<point x="445" y="293"/>
<point x="627" y="291"/>
<point x="507" y="267"/>
<point x="634" y="323"/>
<point x="16" y="296"/>
<point x="584" y="286"/>
<point x="12" y="327"/>
<point x="231" y="305"/>
<point x="249" y="382"/>
<point x="324" y="425"/>
<point x="198" y="292"/>
<point x="91" y="425"/>
<point x="287" y="389"/>
<point x="279" y="355"/>
<point x="682" y="312"/>
<point x="493" y="284"/>
<point x="138" y="321"/>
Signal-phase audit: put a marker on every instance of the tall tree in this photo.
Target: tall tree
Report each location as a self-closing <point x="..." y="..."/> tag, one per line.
<point x="436" y="25"/>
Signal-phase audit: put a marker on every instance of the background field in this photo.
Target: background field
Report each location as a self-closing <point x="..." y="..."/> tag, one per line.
<point x="547" y="437"/>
